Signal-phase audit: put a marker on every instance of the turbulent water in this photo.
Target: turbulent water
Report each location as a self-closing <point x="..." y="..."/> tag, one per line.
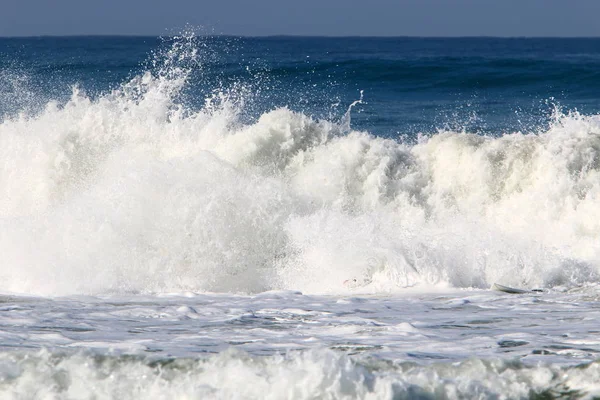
<point x="209" y="217"/>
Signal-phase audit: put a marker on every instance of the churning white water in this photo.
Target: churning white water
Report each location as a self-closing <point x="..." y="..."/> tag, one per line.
<point x="120" y="200"/>
<point x="131" y="192"/>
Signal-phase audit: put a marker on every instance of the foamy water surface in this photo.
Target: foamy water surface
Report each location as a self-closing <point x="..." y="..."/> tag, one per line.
<point x="156" y="250"/>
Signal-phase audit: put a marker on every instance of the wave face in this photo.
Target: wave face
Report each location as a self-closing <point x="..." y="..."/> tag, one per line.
<point x="134" y="191"/>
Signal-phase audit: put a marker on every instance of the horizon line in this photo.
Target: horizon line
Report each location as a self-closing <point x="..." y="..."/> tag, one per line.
<point x="296" y="36"/>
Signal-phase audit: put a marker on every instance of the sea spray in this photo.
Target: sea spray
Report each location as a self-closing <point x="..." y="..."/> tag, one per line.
<point x="136" y="191"/>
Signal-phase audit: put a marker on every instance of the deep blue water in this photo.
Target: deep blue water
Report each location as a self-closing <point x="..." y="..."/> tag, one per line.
<point x="410" y="85"/>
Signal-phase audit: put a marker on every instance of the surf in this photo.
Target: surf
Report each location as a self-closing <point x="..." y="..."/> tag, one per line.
<point x="135" y="191"/>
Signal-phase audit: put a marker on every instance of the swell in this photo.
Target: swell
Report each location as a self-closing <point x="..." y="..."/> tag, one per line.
<point x="455" y="72"/>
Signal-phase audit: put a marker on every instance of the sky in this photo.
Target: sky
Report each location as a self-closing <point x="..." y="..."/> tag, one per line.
<point x="302" y="17"/>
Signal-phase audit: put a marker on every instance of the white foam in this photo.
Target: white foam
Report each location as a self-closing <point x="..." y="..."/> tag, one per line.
<point x="308" y="375"/>
<point x="132" y="192"/>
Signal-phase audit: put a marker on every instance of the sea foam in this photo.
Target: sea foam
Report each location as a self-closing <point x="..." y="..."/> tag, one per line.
<point x="133" y="191"/>
<point x="307" y="375"/>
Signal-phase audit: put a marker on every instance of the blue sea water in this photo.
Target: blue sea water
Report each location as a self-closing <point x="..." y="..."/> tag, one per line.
<point x="299" y="217"/>
<point x="410" y="85"/>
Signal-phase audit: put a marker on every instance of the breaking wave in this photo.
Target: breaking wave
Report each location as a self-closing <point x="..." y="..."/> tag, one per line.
<point x="133" y="191"/>
<point x="308" y="375"/>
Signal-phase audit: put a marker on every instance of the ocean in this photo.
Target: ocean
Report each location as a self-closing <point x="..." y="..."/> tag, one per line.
<point x="196" y="217"/>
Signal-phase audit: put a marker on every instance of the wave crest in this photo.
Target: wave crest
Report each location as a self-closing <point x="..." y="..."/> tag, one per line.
<point x="135" y="192"/>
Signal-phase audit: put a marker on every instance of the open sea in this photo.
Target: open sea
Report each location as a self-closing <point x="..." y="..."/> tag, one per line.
<point x="197" y="217"/>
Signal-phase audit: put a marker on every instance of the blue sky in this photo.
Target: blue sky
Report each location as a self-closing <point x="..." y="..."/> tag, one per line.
<point x="303" y="17"/>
